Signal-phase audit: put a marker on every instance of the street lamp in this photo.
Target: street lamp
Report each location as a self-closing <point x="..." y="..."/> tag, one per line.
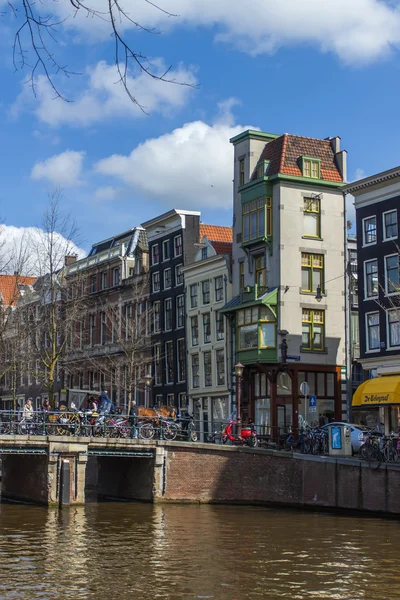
<point x="318" y="295"/>
<point x="239" y="374"/>
<point x="147" y="383"/>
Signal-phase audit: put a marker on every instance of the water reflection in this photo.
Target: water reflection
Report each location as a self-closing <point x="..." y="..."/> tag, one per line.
<point x="105" y="551"/>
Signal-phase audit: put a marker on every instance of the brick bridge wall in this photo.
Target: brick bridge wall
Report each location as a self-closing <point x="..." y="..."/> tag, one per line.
<point x="242" y="475"/>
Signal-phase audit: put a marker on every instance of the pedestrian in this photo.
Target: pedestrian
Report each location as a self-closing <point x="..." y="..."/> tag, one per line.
<point x="27" y="413"/>
<point x="105" y="404"/>
<point x="91" y="404"/>
<point x="133" y="415"/>
<point x="46" y="405"/>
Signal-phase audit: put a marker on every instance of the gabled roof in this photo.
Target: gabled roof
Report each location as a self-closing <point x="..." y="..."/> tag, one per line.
<point x="216" y="233"/>
<point x="285" y="154"/>
<point x="9" y="287"/>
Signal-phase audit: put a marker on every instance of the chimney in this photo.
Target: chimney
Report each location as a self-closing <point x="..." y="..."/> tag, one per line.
<point x="70" y="259"/>
<point x="335" y="144"/>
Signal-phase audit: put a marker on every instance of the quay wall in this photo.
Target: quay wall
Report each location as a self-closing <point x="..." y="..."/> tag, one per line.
<point x="198" y="473"/>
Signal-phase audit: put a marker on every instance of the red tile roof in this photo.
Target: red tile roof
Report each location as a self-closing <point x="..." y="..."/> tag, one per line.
<point x="285" y="154"/>
<point x="9" y="289"/>
<point x="216" y="233"/>
<point x="223" y="248"/>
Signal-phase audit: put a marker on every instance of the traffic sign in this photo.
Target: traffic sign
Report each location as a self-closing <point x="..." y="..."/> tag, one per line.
<point x="296" y="358"/>
<point x="312" y="404"/>
<point x="304" y="388"/>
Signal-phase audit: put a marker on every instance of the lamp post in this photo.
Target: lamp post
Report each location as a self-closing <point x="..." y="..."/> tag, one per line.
<point x="147" y="383"/>
<point x="239" y="374"/>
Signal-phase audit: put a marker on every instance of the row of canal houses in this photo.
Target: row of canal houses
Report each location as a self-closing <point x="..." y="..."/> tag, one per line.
<point x="279" y="292"/>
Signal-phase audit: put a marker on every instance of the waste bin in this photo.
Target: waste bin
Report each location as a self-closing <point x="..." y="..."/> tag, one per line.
<point x="340" y="440"/>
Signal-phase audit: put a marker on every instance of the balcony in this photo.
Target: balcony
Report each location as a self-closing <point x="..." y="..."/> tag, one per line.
<point x="101" y="257"/>
<point x="251" y="294"/>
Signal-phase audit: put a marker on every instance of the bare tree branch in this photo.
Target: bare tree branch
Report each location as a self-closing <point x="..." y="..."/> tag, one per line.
<point x="36" y="40"/>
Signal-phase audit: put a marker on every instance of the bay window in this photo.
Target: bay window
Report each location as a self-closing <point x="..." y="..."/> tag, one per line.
<point x="257" y="219"/>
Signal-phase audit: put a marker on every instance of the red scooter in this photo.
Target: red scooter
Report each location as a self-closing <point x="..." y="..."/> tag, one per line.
<point x="248" y="435"/>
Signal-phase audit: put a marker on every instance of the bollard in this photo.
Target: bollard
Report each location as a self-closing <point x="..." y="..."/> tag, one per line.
<point x="65" y="484"/>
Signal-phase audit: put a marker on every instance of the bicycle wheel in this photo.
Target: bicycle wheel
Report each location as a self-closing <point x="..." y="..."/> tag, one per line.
<point x="253" y="441"/>
<point x="193" y="436"/>
<point x="316" y="447"/>
<point x="146" y="431"/>
<point x="305" y="446"/>
<point x="170" y="432"/>
<point x="363" y="451"/>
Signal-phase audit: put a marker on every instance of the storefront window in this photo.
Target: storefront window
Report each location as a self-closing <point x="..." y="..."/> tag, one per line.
<point x="263" y="414"/>
<point x="284" y="385"/>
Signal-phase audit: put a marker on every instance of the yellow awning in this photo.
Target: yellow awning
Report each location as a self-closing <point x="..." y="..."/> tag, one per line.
<point x="379" y="391"/>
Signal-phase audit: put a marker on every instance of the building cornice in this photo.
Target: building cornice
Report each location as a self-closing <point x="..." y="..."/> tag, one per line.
<point x="175" y="212"/>
<point x="253" y="134"/>
<point x="362" y="184"/>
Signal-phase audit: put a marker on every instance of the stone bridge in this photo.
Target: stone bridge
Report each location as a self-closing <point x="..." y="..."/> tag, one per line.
<point x="57" y="471"/>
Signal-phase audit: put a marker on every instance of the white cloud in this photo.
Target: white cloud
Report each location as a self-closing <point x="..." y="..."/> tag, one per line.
<point x="108" y="192"/>
<point x="105" y="97"/>
<point x="20" y="246"/>
<point x="356" y="30"/>
<point x="61" y="169"/>
<point x="192" y="166"/>
<point x="359" y="174"/>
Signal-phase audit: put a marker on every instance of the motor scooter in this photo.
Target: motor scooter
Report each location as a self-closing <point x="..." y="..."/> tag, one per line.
<point x="248" y="434"/>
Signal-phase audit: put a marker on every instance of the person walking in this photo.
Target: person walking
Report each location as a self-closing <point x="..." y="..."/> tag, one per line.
<point x="27" y="416"/>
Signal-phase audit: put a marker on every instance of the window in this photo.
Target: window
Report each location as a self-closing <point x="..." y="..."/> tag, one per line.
<point x="219" y="288"/>
<point x="257" y="327"/>
<point x="155" y="254"/>
<point x="178" y="245"/>
<point x="313" y="330"/>
<point x="390" y="225"/>
<point x="167" y="279"/>
<point x="103" y="324"/>
<point x="181" y="360"/>
<point x="116" y="276"/>
<point x="241" y="172"/>
<point x="393" y="328"/>
<point x="128" y="321"/>
<point x="261" y="271"/>
<point x="166" y="250"/>
<point x="369" y="230"/>
<point x="373" y="338"/>
<point x="207" y="369"/>
<point x="241" y="275"/>
<point x="311" y="168"/>
<point x="178" y="275"/>
<point x="220" y="367"/>
<point x="104" y="280"/>
<point x="156" y="281"/>
<point x="195" y="371"/>
<point x="205" y="287"/>
<point x="169" y="362"/>
<point x="371" y="278"/>
<point x="180" y="311"/>
<point x="312" y="217"/>
<point x="168" y="314"/>
<point x="156" y="317"/>
<point x="193" y="296"/>
<point x="194" y="326"/>
<point x="93" y="283"/>
<point x="157" y="364"/>
<point x="92" y="328"/>
<point x="312" y="272"/>
<point x="219" y="325"/>
<point x="262" y="169"/>
<point x="206" y="328"/>
<point x="392" y="274"/>
<point x="255" y="225"/>
<point x="204" y="253"/>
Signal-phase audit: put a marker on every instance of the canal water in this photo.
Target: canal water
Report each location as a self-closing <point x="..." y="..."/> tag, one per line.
<point x="146" y="552"/>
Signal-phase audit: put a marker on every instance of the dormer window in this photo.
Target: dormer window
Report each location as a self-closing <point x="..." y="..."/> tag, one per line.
<point x="262" y="169"/>
<point x="311" y="168"/>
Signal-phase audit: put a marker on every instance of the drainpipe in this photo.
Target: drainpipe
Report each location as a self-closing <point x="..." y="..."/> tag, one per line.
<point x="347" y="317"/>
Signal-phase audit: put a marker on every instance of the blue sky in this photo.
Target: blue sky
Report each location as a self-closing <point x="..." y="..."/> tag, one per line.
<point x="305" y="66"/>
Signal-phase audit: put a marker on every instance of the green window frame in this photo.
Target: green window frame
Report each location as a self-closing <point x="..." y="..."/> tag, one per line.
<point x="256" y="219"/>
<point x="262" y="169"/>
<point x="313" y="330"/>
<point x="260" y="270"/>
<point x="311" y="167"/>
<point x="312" y="272"/>
<point x="256" y="328"/>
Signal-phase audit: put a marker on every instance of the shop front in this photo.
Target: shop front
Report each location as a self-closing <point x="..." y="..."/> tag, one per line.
<point x="376" y="403"/>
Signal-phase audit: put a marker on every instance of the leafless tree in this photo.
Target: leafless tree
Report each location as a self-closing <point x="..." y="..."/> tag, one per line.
<point x="121" y="350"/>
<point x="46" y="322"/>
<point x="38" y="31"/>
